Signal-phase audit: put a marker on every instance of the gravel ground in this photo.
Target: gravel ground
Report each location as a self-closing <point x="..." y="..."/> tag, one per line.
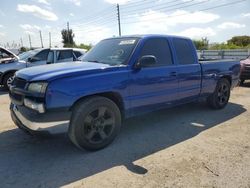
<point x="187" y="146"/>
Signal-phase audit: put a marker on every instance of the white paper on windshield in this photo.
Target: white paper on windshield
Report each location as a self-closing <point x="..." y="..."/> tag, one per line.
<point x="127" y="42"/>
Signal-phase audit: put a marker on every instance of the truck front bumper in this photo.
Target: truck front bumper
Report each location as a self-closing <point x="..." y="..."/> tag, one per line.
<point x="33" y="122"/>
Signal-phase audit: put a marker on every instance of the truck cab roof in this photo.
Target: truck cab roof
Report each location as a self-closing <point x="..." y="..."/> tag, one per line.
<point x="145" y="36"/>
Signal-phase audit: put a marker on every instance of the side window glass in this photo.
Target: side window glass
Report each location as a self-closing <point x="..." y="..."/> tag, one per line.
<point x="160" y="49"/>
<point x="184" y="52"/>
<point x="77" y="54"/>
<point x="50" y="57"/>
<point x="41" y="56"/>
<point x="64" y="55"/>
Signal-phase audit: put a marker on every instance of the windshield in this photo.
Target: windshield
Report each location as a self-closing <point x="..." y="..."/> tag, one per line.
<point x="25" y="55"/>
<point x="114" y="51"/>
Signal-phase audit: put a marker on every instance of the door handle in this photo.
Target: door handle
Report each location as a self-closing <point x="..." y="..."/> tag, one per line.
<point x="173" y="74"/>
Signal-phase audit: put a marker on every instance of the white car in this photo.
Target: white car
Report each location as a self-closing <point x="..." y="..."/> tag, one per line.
<point x="9" y="65"/>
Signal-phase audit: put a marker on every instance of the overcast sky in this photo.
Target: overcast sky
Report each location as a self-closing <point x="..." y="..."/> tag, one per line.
<point x="93" y="20"/>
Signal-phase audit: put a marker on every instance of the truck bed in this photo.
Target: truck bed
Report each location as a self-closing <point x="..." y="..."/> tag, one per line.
<point x="213" y="70"/>
<point x="216" y="60"/>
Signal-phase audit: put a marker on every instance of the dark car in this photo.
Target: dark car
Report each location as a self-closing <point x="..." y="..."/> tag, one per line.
<point x="245" y="70"/>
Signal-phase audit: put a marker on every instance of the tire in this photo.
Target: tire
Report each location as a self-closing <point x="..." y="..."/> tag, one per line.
<point x="220" y="97"/>
<point x="8" y="79"/>
<point x="94" y="124"/>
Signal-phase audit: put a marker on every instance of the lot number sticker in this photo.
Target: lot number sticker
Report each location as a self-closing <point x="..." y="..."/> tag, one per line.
<point x="127" y="42"/>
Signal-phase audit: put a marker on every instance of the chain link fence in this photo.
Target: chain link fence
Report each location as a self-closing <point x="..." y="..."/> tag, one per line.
<point x="224" y="54"/>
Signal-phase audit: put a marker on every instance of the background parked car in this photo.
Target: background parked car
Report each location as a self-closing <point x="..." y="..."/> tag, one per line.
<point x="35" y="58"/>
<point x="6" y="55"/>
<point x="245" y="70"/>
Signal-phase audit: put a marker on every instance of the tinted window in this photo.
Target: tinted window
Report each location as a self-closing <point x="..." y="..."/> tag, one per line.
<point x="50" y="57"/>
<point x="42" y="56"/>
<point x="160" y="49"/>
<point x="64" y="54"/>
<point x="77" y="54"/>
<point x="184" y="52"/>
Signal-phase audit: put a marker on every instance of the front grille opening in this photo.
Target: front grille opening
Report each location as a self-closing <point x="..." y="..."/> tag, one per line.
<point x="19" y="83"/>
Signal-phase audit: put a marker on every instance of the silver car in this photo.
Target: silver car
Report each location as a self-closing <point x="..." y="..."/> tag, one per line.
<point x="37" y="57"/>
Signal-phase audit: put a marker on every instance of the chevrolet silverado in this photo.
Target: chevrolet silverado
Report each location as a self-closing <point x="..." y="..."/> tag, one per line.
<point x="120" y="78"/>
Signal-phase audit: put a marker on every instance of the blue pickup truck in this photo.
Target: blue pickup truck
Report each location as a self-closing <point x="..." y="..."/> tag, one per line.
<point x="119" y="78"/>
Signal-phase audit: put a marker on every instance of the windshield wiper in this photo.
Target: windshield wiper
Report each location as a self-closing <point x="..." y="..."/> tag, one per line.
<point x="94" y="61"/>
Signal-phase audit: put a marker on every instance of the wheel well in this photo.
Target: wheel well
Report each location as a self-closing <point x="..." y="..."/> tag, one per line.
<point x="4" y="74"/>
<point x="11" y="71"/>
<point x="114" y="96"/>
<point x="228" y="78"/>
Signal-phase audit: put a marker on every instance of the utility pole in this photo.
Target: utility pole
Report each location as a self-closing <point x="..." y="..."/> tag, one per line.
<point x="68" y="31"/>
<point x="21" y="40"/>
<point x="119" y="19"/>
<point x="41" y="38"/>
<point x="49" y="39"/>
<point x="30" y="42"/>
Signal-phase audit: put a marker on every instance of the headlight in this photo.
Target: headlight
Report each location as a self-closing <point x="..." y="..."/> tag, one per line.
<point x="38" y="87"/>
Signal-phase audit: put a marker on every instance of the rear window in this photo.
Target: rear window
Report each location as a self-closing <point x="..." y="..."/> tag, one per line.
<point x="184" y="52"/>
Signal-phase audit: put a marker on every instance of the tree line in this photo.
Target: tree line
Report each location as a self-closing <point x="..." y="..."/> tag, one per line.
<point x="236" y="42"/>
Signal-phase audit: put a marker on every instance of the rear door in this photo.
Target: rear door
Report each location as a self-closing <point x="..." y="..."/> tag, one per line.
<point x="189" y="70"/>
<point x="156" y="85"/>
<point x="64" y="56"/>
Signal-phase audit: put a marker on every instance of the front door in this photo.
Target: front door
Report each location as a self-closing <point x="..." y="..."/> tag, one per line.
<point x="155" y="86"/>
<point x="39" y="59"/>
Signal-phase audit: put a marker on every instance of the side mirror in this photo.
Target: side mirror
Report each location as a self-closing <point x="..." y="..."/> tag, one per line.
<point x="33" y="59"/>
<point x="146" y="61"/>
<point x="30" y="59"/>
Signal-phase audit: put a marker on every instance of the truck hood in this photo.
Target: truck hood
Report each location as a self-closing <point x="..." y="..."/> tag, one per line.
<point x="61" y="70"/>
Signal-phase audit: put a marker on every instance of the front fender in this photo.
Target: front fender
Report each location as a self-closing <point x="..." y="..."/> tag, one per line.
<point x="63" y="93"/>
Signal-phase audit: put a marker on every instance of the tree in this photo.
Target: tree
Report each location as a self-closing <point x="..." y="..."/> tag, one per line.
<point x="241" y="41"/>
<point x="223" y="46"/>
<point x="201" y="44"/>
<point x="85" y="46"/>
<point x="23" y="49"/>
<point x="68" y="38"/>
